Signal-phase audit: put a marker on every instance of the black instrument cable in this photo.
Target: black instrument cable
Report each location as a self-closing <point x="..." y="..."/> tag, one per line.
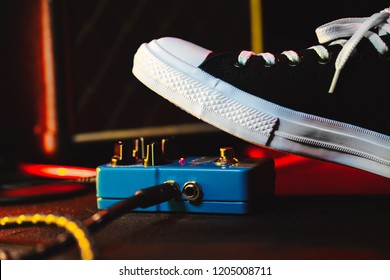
<point x="143" y="198"/>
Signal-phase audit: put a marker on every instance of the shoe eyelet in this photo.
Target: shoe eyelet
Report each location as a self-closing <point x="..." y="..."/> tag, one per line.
<point x="294" y="64"/>
<point x="270" y="65"/>
<point x="325" y="61"/>
<point x="238" y="65"/>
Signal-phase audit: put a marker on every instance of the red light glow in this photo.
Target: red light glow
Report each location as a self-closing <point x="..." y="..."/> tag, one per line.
<point x="256" y="153"/>
<point x="296" y="175"/>
<point x="288" y="160"/>
<point x="57" y="171"/>
<point x="49" y="122"/>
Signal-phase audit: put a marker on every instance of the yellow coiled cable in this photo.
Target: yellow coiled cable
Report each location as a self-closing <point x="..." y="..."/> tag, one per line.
<point x="72" y="227"/>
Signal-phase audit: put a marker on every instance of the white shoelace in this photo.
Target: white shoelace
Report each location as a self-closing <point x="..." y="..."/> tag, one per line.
<point x="354" y="28"/>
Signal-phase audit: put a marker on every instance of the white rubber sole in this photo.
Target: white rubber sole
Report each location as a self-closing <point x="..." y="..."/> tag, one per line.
<point x="256" y="120"/>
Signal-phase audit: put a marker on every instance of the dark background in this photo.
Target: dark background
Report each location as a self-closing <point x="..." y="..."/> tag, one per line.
<point x="94" y="43"/>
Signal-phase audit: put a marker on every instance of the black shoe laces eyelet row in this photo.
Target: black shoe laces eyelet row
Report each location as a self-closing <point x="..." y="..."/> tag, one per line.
<point x="321" y="61"/>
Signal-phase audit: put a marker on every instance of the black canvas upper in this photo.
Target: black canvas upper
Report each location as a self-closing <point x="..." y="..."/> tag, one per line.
<point x="361" y="97"/>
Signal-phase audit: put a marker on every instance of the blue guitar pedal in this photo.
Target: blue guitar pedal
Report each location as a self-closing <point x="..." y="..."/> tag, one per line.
<point x="207" y="184"/>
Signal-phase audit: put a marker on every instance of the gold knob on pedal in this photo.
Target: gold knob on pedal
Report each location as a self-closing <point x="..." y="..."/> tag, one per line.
<point x="122" y="154"/>
<point x="153" y="155"/>
<point x="138" y="149"/>
<point x="226" y="156"/>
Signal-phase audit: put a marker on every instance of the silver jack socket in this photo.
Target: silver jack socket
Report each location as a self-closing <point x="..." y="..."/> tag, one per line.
<point x="192" y="191"/>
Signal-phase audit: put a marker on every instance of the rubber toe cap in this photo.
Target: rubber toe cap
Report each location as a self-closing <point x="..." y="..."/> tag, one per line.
<point x="183" y="50"/>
